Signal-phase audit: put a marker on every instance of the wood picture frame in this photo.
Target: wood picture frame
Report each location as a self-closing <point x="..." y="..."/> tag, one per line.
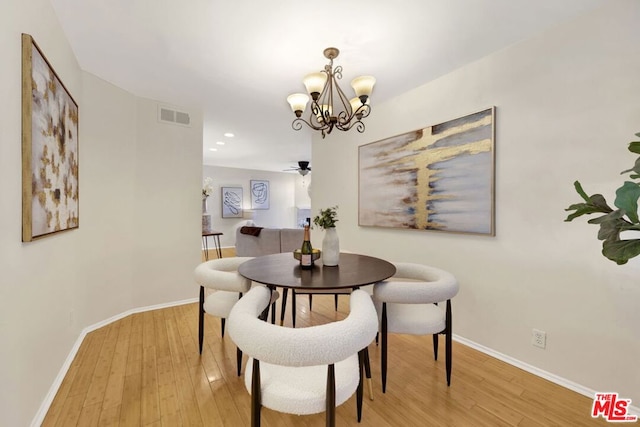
<point x="232" y="202"/>
<point x="260" y="194"/>
<point x="439" y="178"/>
<point x="50" y="168"/>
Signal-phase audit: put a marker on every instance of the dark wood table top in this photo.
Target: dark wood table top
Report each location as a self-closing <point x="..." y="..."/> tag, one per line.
<point x="283" y="270"/>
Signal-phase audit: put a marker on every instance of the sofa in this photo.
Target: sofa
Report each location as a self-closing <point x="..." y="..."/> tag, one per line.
<point x="257" y="241"/>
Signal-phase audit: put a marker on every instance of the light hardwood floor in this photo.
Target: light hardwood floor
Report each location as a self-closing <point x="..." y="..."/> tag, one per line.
<point x="145" y="370"/>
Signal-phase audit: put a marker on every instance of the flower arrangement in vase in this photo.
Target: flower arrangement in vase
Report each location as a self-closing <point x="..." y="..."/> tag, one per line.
<point x="207" y="187"/>
<point x="330" y="244"/>
<point x="207" y="190"/>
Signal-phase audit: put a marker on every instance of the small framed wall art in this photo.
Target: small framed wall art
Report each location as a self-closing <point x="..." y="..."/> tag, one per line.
<point x="259" y="194"/>
<point x="232" y="202"/>
<point x="49" y="148"/>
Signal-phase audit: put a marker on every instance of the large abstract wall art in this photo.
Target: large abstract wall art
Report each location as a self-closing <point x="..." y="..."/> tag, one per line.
<point x="49" y="148"/>
<point x="436" y="178"/>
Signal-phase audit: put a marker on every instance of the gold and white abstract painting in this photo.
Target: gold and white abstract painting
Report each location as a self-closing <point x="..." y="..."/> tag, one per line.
<point x="436" y="178"/>
<point x="50" y="148"/>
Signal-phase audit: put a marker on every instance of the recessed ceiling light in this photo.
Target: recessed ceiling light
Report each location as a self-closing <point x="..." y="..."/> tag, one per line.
<point x="228" y="135"/>
<point x="220" y="142"/>
<point x="213" y="149"/>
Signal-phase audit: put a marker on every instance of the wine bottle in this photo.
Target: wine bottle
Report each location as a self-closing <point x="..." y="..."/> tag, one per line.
<point x="306" y="252"/>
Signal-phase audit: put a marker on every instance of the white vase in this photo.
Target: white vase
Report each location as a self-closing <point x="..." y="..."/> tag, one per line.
<point x="330" y="247"/>
<point x="206" y="223"/>
<point x="206" y="217"/>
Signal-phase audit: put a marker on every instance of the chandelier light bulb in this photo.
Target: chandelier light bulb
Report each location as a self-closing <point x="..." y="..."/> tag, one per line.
<point x="363" y="86"/>
<point x="298" y="102"/>
<point x="314" y="83"/>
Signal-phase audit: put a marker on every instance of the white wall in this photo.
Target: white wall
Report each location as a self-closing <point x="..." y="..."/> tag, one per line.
<point x="283" y="201"/>
<point x="567" y="106"/>
<point x="39" y="280"/>
<point x="138" y="238"/>
<point x="167" y="215"/>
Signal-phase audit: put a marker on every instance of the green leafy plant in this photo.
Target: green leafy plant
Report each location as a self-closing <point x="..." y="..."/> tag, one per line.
<point x="614" y="222"/>
<point x="327" y="218"/>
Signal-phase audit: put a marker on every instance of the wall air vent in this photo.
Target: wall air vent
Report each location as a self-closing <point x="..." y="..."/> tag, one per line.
<point x="173" y="116"/>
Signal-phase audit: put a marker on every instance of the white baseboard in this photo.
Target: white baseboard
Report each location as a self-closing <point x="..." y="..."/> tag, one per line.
<point x="46" y="403"/>
<point x="563" y="382"/>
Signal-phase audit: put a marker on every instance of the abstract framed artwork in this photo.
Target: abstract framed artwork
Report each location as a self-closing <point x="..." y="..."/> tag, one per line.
<point x="50" y="178"/>
<point x="232" y="202"/>
<point x="437" y="178"/>
<point x="259" y="194"/>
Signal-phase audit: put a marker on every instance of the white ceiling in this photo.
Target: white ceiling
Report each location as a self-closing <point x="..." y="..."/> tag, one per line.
<point x="239" y="59"/>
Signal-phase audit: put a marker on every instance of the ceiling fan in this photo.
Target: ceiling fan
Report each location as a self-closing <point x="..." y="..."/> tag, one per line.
<point x="303" y="168"/>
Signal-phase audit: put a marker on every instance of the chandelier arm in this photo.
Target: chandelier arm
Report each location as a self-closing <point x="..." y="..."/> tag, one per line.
<point x="314" y="117"/>
<point x="363" y="109"/>
<point x="346" y="114"/>
<point x="297" y="125"/>
<point x="337" y="72"/>
<point x="358" y="125"/>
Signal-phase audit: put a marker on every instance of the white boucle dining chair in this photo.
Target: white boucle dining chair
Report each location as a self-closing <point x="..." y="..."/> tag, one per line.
<point x="411" y="307"/>
<point x="302" y="370"/>
<point x="226" y="286"/>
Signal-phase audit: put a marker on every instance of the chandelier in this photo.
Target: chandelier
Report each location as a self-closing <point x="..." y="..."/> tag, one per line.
<point x="330" y="107"/>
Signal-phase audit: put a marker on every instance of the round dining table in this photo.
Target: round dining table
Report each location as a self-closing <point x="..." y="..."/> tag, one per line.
<point x="283" y="270"/>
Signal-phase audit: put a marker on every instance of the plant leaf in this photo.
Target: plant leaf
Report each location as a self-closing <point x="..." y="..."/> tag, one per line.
<point x="634" y="146"/>
<point x="635" y="168"/>
<point x="595" y="203"/>
<point x="580" y="191"/>
<point x="627" y="200"/>
<point x="610" y="225"/>
<point x="621" y="251"/>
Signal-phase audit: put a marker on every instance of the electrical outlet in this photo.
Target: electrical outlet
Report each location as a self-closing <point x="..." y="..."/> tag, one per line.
<point x="539" y="338"/>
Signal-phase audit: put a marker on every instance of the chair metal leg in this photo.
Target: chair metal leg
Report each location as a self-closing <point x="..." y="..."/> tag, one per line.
<point x="367" y="370"/>
<point x="310" y="302"/>
<point x="239" y="360"/>
<point x="449" y="346"/>
<point x="360" y="389"/>
<point x="335" y="301"/>
<point x="256" y="394"/>
<point x="435" y="346"/>
<point x="285" y="291"/>
<point x="293" y="307"/>
<point x="331" y="396"/>
<point x="265" y="313"/>
<point x="222" y="322"/>
<point x="435" y="341"/>
<point x="383" y="350"/>
<point x="201" y="319"/>
<point x="273" y="313"/>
